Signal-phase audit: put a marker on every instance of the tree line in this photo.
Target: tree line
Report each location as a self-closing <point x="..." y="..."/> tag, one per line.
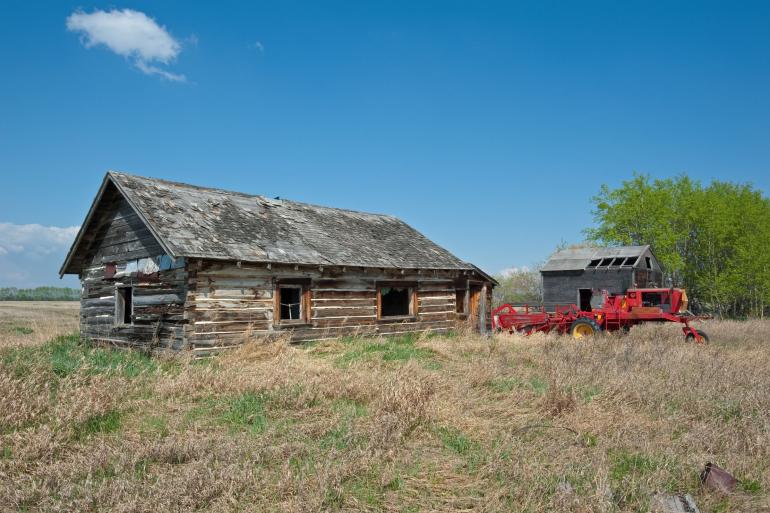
<point x="713" y="240"/>
<point x="39" y="294"/>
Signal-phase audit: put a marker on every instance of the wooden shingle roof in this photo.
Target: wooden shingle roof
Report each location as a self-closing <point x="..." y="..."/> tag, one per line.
<point x="575" y="259"/>
<point x="201" y="222"/>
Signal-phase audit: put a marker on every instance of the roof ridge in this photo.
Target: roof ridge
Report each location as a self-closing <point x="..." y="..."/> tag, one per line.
<point x="266" y="199"/>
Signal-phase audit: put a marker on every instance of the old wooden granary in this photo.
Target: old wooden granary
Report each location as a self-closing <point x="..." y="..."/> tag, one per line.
<point x="170" y="265"/>
<point x="579" y="275"/>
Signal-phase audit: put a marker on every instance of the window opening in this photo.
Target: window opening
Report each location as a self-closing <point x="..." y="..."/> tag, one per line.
<point x="124" y="305"/>
<point x="290" y="298"/>
<point x="395" y="301"/>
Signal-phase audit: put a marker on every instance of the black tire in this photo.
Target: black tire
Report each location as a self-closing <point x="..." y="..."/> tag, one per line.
<point x="584" y="327"/>
<point x="691" y="338"/>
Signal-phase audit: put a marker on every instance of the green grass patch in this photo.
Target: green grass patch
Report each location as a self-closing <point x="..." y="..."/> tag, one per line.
<point x="106" y="472"/>
<point x="68" y="354"/>
<point x="539" y="385"/>
<point x="141" y="468"/>
<point x="504" y="385"/>
<point x="154" y="425"/>
<point x="107" y="422"/>
<point x="455" y="440"/>
<point x="340" y="436"/>
<point x="246" y="411"/>
<point x="750" y="485"/>
<point x="588" y="393"/>
<point x="391" y="349"/>
<point x="22" y="330"/>
<point x="728" y="410"/>
<point x="366" y="489"/>
<point x="350" y="407"/>
<point x="626" y="463"/>
<point x="458" y="442"/>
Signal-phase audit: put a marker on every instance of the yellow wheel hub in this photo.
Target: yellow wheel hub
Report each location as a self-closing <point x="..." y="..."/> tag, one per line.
<point x="583" y="330"/>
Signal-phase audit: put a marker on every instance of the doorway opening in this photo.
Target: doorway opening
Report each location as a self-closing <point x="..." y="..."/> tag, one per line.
<point x="584" y="299"/>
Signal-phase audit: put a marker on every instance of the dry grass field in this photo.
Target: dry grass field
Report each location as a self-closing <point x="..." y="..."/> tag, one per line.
<point x="450" y="423"/>
<point x="35" y="322"/>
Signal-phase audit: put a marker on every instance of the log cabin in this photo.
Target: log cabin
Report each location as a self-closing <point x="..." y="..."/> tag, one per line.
<point x="171" y="266"/>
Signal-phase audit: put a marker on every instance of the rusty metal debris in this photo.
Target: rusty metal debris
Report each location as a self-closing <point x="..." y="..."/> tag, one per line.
<point x="717" y="479"/>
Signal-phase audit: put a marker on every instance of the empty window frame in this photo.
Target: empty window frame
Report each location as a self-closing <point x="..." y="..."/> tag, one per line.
<point x="630" y="260"/>
<point x="396" y="300"/>
<point x="618" y="261"/>
<point x="124" y="305"/>
<point x="594" y="262"/>
<point x="605" y="262"/>
<point x="648" y="262"/>
<point x="292" y="303"/>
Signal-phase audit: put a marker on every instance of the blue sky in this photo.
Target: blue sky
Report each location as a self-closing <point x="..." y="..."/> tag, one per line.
<point x="488" y="126"/>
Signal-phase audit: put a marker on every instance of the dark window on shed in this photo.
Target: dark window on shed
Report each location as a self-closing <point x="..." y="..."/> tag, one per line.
<point x="594" y="262"/>
<point x="630" y="261"/>
<point x="605" y="262"/>
<point x="648" y="261"/>
<point x="290" y="300"/>
<point x="618" y="261"/>
<point x="124" y="305"/>
<point x="395" y="301"/>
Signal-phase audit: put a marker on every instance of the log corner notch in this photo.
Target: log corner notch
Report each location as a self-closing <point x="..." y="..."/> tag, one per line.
<point x="177" y="266"/>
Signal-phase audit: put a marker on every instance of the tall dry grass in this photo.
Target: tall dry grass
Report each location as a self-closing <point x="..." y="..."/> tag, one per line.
<point x="35" y="322"/>
<point x="412" y="424"/>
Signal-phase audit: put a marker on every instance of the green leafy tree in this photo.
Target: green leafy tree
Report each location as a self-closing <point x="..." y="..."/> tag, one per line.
<point x="713" y="239"/>
<point x="518" y="287"/>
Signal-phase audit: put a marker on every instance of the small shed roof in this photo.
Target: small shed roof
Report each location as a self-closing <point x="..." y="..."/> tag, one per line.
<point x="577" y="259"/>
<point x="202" y="222"/>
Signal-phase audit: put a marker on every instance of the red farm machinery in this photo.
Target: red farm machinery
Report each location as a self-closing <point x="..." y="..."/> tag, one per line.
<point x="617" y="312"/>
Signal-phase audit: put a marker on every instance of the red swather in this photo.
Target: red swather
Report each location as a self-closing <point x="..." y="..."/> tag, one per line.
<point x="617" y="312"/>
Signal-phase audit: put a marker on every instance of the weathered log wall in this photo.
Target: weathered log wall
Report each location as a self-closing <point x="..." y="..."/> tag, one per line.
<point x="228" y="304"/>
<point x="120" y="240"/>
<point x="158" y="309"/>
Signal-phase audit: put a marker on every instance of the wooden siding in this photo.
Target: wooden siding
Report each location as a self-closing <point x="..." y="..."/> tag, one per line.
<point x="561" y="288"/>
<point x="158" y="309"/>
<point x="228" y="304"/>
<point x="117" y="233"/>
<point x="119" y="237"/>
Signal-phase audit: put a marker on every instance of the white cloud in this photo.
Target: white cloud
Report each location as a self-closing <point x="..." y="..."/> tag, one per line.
<point x="30" y="254"/>
<point x="259" y="46"/>
<point x="35" y="239"/>
<point x="131" y="34"/>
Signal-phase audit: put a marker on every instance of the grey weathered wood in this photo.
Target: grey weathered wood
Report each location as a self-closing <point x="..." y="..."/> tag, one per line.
<point x="236" y="249"/>
<point x="566" y="272"/>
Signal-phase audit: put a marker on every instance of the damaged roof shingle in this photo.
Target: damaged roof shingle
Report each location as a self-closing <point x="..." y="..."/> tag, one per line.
<point x="210" y="223"/>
